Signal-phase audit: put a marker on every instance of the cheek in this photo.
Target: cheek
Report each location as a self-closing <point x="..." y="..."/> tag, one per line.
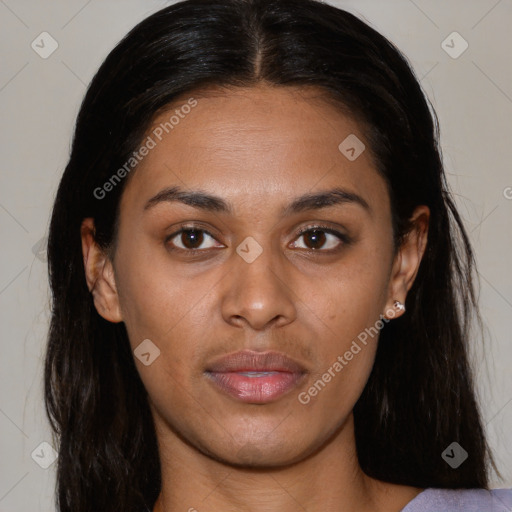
<point x="347" y="305"/>
<point x="347" y="342"/>
<point x="173" y="312"/>
<point x="353" y="295"/>
<point x="156" y="301"/>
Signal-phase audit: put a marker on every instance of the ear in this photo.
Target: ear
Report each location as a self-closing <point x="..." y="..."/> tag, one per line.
<point x="99" y="274"/>
<point x="408" y="258"/>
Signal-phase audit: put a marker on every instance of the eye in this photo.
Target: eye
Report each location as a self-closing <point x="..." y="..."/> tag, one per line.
<point x="192" y="239"/>
<point x="321" y="238"/>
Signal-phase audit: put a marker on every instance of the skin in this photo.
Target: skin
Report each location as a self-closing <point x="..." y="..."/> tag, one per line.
<point x="257" y="148"/>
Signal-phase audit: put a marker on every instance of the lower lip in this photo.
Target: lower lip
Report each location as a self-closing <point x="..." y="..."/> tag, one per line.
<point x="256" y="389"/>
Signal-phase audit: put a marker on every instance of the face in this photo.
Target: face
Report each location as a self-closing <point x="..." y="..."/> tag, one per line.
<point x="258" y="268"/>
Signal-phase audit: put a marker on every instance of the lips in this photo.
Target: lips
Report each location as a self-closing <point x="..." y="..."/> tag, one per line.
<point x="255" y="377"/>
<point x="248" y="360"/>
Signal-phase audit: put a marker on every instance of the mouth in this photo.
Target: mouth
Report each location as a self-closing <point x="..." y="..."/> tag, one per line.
<point x="255" y="377"/>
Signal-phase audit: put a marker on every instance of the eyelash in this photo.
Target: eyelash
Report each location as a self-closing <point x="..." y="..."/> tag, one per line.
<point x="344" y="239"/>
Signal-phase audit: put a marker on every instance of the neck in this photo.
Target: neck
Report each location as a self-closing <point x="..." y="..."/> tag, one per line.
<point x="328" y="479"/>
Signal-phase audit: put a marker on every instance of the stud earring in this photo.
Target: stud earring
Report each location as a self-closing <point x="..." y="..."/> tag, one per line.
<point x="398" y="305"/>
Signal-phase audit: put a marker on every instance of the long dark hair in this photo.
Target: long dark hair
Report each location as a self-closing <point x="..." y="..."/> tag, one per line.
<point x="420" y="395"/>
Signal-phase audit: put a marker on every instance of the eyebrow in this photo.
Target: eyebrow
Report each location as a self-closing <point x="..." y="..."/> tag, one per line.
<point x="195" y="198"/>
<point x="209" y="202"/>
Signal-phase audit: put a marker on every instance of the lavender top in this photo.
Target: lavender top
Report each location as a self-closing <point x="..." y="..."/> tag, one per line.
<point x="461" y="500"/>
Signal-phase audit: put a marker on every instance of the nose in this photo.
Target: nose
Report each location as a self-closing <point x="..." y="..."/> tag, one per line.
<point x="257" y="294"/>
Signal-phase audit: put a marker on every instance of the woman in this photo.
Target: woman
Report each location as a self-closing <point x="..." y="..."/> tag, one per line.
<point x="261" y="286"/>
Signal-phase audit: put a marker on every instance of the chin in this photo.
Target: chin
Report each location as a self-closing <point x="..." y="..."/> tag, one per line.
<point x="251" y="457"/>
<point x="259" y="455"/>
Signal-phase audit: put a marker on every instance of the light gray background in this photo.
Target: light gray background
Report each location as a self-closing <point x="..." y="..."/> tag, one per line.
<point x="39" y="99"/>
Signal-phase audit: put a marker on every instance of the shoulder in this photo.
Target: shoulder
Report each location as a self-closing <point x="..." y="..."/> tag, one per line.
<point x="467" y="500"/>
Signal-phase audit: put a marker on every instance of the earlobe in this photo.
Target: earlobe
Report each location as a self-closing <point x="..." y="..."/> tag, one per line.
<point x="99" y="274"/>
<point x="408" y="259"/>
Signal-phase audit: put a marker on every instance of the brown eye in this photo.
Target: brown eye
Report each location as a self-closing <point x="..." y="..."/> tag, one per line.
<point x="191" y="239"/>
<point x="320" y="239"/>
<point x="314" y="239"/>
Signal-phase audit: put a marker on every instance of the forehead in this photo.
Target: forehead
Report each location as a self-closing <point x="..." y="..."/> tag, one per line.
<point x="261" y="143"/>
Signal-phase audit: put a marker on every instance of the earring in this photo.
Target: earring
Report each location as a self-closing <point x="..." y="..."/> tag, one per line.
<point x="398" y="305"/>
